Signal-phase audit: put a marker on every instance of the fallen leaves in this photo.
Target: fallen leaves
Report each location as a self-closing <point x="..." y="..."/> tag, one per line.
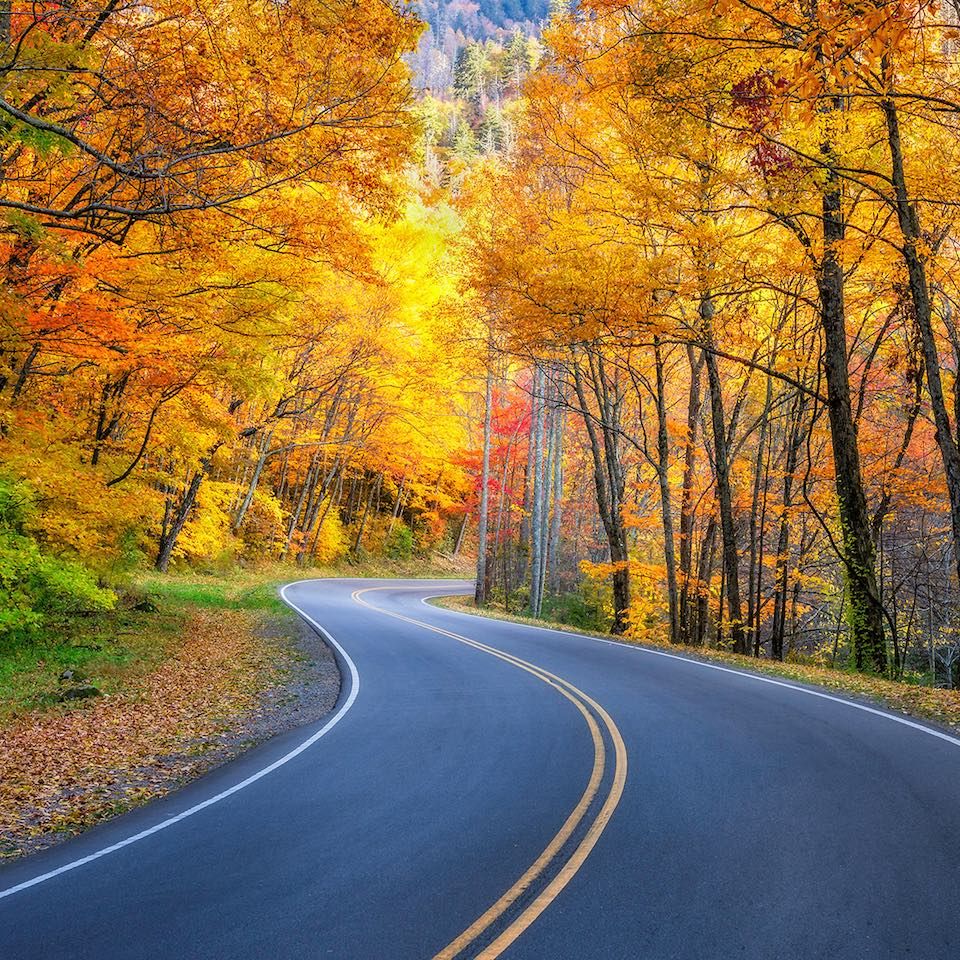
<point x="64" y="770"/>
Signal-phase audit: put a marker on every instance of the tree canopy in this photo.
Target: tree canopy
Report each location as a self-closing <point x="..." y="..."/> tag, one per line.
<point x="651" y="305"/>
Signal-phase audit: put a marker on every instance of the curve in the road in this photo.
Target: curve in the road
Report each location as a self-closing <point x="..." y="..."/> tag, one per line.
<point x="625" y="644"/>
<point x="575" y="859"/>
<point x="545" y="864"/>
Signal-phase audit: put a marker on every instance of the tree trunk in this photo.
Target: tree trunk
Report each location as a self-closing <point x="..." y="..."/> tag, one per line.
<point x="756" y="536"/>
<point x="609" y="477"/>
<point x="461" y="536"/>
<point x="666" y="507"/>
<point x="782" y="574"/>
<point x="499" y="542"/>
<point x="556" y="525"/>
<point x="704" y="576"/>
<point x="536" y="518"/>
<point x="687" y="501"/>
<point x="374" y="490"/>
<point x="176" y="516"/>
<point x="480" y="592"/>
<point x="254" y="481"/>
<point x="304" y="497"/>
<point x="24" y="373"/>
<point x="528" y="478"/>
<point x="865" y="613"/>
<point x="728" y="537"/>
<point x="761" y="555"/>
<point x="397" y="504"/>
<point x="310" y="552"/>
<point x="550" y="438"/>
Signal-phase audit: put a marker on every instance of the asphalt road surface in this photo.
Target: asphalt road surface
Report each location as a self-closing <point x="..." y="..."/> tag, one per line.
<point x="486" y="789"/>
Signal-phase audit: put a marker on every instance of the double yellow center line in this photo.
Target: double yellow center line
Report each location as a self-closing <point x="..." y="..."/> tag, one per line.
<point x="590" y="710"/>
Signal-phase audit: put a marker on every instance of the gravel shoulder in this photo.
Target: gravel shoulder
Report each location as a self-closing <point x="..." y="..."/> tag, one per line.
<point x="307" y="691"/>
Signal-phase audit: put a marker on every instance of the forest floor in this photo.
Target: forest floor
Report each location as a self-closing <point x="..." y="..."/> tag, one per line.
<point x="937" y="706"/>
<point x="108" y="712"/>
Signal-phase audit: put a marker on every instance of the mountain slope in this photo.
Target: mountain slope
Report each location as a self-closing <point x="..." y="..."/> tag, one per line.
<point x="483" y="18"/>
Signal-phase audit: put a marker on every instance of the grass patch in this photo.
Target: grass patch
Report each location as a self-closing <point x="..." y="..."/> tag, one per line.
<point x="938" y="706"/>
<point x="244" y="592"/>
<point x="107" y="650"/>
<point x="113" y="650"/>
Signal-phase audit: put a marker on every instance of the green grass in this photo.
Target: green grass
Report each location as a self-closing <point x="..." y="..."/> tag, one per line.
<point x="107" y="650"/>
<point x="111" y="650"/>
<point x="223" y="593"/>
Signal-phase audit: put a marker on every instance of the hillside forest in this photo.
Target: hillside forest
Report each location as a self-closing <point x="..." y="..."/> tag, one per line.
<point x="650" y="309"/>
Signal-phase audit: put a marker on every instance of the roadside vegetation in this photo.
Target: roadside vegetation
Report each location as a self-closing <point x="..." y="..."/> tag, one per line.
<point x="113" y="708"/>
<point x="105" y="708"/>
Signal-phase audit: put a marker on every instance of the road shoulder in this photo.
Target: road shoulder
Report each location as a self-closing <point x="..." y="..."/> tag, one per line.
<point x="235" y="679"/>
<point x="937" y="708"/>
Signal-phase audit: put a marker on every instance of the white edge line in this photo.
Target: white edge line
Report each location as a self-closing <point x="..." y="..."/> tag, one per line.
<point x="236" y="788"/>
<point x="636" y="648"/>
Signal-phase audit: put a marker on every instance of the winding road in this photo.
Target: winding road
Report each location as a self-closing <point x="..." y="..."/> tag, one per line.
<point x="488" y="789"/>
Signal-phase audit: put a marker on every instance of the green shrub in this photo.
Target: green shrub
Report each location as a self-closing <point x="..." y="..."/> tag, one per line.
<point x="35" y="588"/>
<point x="583" y="610"/>
<point x="399" y="543"/>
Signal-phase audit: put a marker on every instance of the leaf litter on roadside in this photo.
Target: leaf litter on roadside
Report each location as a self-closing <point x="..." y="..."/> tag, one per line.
<point x="63" y="770"/>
